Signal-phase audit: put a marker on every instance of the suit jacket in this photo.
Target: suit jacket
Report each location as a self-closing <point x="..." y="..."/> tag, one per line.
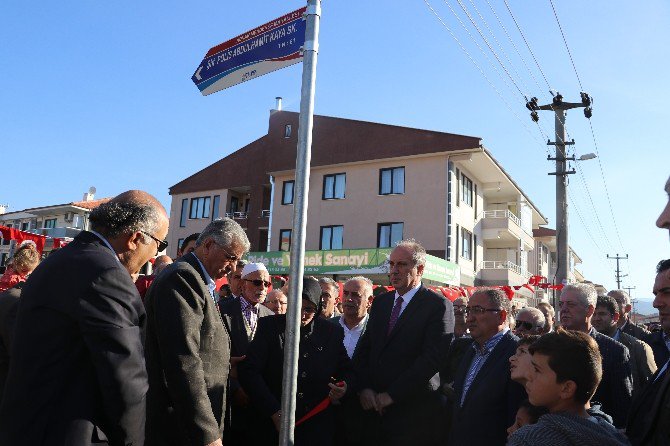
<point x="641" y="360"/>
<point x="649" y="422"/>
<point x="9" y="304"/>
<point x="616" y="387"/>
<point x="404" y="364"/>
<point x="188" y="358"/>
<point x="322" y="356"/>
<point x="635" y="330"/>
<point x="77" y="374"/>
<point x="492" y="399"/>
<point x="659" y="347"/>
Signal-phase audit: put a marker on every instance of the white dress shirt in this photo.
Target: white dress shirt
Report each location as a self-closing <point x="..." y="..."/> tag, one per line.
<point x="351" y="336"/>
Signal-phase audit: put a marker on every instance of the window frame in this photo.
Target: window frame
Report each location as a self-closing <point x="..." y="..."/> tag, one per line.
<point x="467" y="187"/>
<point x="334" y="176"/>
<point x="202" y="207"/>
<point x="183" y="218"/>
<point x="290" y="239"/>
<point x="390" y="239"/>
<point x="466" y="236"/>
<point x="54" y="220"/>
<point x="216" y="203"/>
<point x="332" y="233"/>
<point x="283" y="192"/>
<point x="392" y="172"/>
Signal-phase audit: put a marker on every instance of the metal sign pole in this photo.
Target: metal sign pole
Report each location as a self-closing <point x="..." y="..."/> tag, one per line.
<point x="301" y="192"/>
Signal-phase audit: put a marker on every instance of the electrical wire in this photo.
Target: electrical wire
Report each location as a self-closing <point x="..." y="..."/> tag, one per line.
<point x="566" y="43"/>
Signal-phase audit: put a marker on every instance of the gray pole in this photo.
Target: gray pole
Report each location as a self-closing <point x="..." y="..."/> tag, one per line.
<point x="562" y="245"/>
<point x="301" y="192"/>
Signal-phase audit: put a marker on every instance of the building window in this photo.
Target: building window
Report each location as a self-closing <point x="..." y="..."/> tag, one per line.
<point x="179" y="243"/>
<point x="50" y="223"/>
<point x="392" y="181"/>
<point x="184" y="213"/>
<point x="24" y="225"/>
<point x="466" y="244"/>
<point x="466" y="190"/>
<point x="285" y="240"/>
<point x="388" y="234"/>
<point x="200" y="207"/>
<point x="215" y="207"/>
<point x="287" y="192"/>
<point x="331" y="237"/>
<point x="287" y="131"/>
<point x="334" y="186"/>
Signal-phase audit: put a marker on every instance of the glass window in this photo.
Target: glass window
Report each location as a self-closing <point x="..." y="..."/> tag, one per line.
<point x="50" y="223"/>
<point x="179" y="243"/>
<point x="331" y="237"/>
<point x="466" y="244"/>
<point x="24" y="225"/>
<point x="200" y="207"/>
<point x="392" y="181"/>
<point x="287" y="192"/>
<point x="215" y="207"/>
<point x="388" y="234"/>
<point x="287" y="131"/>
<point x="184" y="213"/>
<point x="206" y="207"/>
<point x="285" y="240"/>
<point x="466" y="190"/>
<point x="334" y="186"/>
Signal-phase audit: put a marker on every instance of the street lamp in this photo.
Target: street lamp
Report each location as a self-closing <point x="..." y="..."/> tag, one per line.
<point x="587" y="156"/>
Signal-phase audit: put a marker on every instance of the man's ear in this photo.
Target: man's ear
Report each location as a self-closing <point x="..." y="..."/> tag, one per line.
<point x="568" y="390"/>
<point x="615" y="317"/>
<point x="134" y="241"/>
<point x="628" y="308"/>
<point x="503" y="316"/>
<point x="590" y="310"/>
<point x="419" y="269"/>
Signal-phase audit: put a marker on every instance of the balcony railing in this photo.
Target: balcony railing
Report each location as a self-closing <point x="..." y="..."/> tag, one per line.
<point x="496" y="264"/>
<point x="503" y="214"/>
<point x="265" y="213"/>
<point x="59" y="232"/>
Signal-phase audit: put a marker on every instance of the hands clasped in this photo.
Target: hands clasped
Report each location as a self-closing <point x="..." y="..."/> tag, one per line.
<point x="373" y="400"/>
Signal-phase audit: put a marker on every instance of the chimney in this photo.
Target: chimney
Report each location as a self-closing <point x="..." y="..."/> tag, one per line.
<point x="278" y="106"/>
<point x="90" y="195"/>
<point x="3" y="208"/>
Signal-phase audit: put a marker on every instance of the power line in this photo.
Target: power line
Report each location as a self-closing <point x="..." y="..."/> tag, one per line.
<point x="566" y="44"/>
<point x="593" y="206"/>
<point x="581" y="219"/>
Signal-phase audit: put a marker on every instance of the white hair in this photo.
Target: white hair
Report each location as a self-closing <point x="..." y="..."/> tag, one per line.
<point x="585" y="291"/>
<point x="368" y="287"/>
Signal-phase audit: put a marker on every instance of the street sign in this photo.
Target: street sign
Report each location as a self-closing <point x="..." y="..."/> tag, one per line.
<point x="264" y="49"/>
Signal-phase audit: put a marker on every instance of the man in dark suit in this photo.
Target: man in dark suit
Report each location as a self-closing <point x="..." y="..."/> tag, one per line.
<point x="649" y="422"/>
<point x="77" y="374"/>
<point x="9" y="304"/>
<point x="577" y="305"/>
<point x="187" y="345"/>
<point x="484" y="390"/>
<point x="625" y="324"/>
<point x="322" y="357"/>
<point x="240" y="316"/>
<point x="659" y="341"/>
<point x="397" y="357"/>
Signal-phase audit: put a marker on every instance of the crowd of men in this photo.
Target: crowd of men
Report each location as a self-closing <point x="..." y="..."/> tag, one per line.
<point x="92" y="354"/>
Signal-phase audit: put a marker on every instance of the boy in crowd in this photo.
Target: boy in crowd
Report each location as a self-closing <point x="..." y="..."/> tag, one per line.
<point x="567" y="368"/>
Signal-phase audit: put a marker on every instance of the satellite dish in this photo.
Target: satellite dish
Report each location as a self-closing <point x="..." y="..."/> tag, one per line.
<point x="92" y="190"/>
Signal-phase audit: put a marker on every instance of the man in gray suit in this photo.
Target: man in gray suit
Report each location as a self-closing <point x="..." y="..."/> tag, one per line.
<point x="187" y="345"/>
<point x="642" y="362"/>
<point x="625" y="325"/>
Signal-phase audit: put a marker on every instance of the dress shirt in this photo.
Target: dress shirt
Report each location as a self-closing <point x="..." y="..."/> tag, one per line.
<point x="250" y="312"/>
<point x="211" y="285"/>
<point x="666" y="339"/>
<point x="478" y="360"/>
<point x="351" y="336"/>
<point x="104" y="240"/>
<point x="406" y="298"/>
<point x="617" y="334"/>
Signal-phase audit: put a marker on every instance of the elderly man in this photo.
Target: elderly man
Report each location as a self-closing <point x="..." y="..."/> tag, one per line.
<point x="529" y="321"/>
<point x="276" y="301"/>
<point x="187" y="345"/>
<point x="577" y="305"/>
<point x="483" y="386"/>
<point x="663" y="221"/>
<point x="144" y="282"/>
<point x="460" y="326"/>
<point x="642" y="362"/>
<point x="548" y="312"/>
<point x="397" y="356"/>
<point x="625" y="324"/>
<point x="330" y="291"/>
<point x="649" y="422"/>
<point x="241" y="315"/>
<point x="77" y="374"/>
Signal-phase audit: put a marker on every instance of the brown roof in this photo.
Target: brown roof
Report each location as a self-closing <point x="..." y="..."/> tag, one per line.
<point x="335" y="140"/>
<point x="544" y="232"/>
<point x="90" y="204"/>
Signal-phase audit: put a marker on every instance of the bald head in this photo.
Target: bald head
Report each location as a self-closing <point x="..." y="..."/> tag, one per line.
<point x="161" y="263"/>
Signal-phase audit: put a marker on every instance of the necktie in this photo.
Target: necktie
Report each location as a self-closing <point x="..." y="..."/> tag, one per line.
<point x="395" y="313"/>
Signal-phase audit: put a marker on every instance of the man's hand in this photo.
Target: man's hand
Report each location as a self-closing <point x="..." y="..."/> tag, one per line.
<point x="234" y="360"/>
<point x="241" y="398"/>
<point x="368" y="399"/>
<point x="337" y="391"/>
<point x="276" y="419"/>
<point x="216" y="443"/>
<point x="383" y="401"/>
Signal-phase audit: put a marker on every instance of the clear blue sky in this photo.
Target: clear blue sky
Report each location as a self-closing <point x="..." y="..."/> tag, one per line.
<point x="100" y="94"/>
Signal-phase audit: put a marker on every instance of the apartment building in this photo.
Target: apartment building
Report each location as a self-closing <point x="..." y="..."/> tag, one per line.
<point x="371" y="185"/>
<point x="64" y="220"/>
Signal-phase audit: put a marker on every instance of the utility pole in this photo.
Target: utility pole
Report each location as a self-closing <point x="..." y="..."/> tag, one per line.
<point x="559" y="108"/>
<point x="632" y="301"/>
<point x="618" y="270"/>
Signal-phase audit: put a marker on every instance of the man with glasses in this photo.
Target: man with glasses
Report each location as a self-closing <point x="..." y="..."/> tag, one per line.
<point x="241" y="315"/>
<point x="187" y="346"/>
<point x="484" y="390"/>
<point x="529" y="321"/>
<point x="460" y="327"/>
<point x="77" y="373"/>
<point x="277" y="302"/>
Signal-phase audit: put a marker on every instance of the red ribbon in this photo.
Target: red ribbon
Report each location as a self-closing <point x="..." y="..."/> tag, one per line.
<point x="323" y="405"/>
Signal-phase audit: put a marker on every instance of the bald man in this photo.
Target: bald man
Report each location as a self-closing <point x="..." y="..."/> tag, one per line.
<point x="78" y="374"/>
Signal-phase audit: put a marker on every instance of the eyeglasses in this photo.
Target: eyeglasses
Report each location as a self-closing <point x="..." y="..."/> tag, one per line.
<point x="228" y="256"/>
<point x="459" y="308"/>
<point x="259" y="282"/>
<point x="479" y="310"/>
<point x="162" y="244"/>
<point x="525" y="325"/>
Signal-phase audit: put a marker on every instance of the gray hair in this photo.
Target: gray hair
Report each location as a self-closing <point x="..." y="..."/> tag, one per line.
<point x="418" y="251"/>
<point x="620" y="294"/>
<point x="225" y="232"/>
<point x="329" y="281"/>
<point x="536" y="314"/>
<point x="548" y="306"/>
<point x="497" y="297"/>
<point x="118" y="217"/>
<point x="367" y="283"/>
<point x="585" y="291"/>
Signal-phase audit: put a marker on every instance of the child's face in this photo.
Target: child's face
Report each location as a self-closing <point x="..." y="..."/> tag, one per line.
<point x="541" y="385"/>
<point x="522" y="418"/>
<point x="519" y="364"/>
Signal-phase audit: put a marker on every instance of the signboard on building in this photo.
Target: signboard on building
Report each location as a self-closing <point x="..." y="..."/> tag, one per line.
<point x="353" y="262"/>
<point x="264" y="49"/>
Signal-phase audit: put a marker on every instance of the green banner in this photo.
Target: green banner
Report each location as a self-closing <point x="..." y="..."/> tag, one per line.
<point x="353" y="261"/>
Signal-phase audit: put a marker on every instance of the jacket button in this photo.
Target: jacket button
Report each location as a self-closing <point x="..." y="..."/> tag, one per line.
<point x="300" y="395"/>
<point x="320" y="348"/>
<point x="303" y="374"/>
<point x="305" y="355"/>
